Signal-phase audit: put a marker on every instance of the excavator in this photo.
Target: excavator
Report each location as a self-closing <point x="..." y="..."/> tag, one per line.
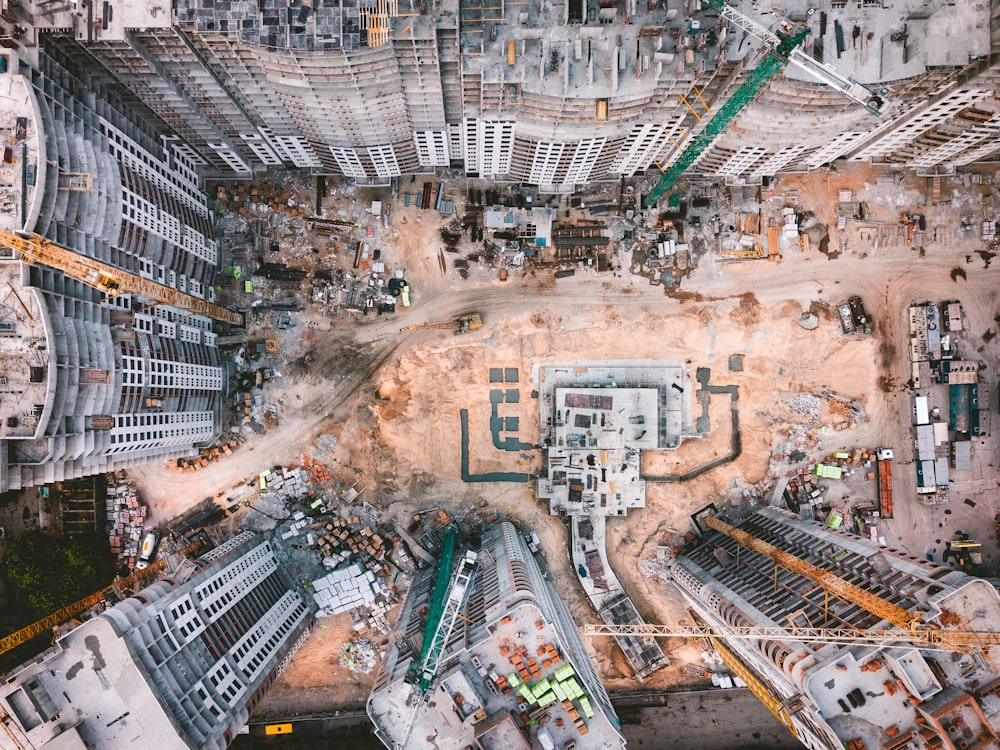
<point x="462" y="324"/>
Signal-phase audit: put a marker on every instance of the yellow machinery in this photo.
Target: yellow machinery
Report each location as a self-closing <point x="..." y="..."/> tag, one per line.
<point x="743" y="253"/>
<point x="108" y="279"/>
<point x="461" y="324"/>
<point x="68" y="612"/>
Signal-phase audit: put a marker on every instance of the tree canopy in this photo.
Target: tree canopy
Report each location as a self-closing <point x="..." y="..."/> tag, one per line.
<point x="47" y="573"/>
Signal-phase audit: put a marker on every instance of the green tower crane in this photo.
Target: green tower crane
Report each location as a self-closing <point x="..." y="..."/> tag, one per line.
<point x="783" y="49"/>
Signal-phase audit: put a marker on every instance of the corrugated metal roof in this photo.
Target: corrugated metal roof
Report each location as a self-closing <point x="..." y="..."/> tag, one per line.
<point x="925" y="442"/>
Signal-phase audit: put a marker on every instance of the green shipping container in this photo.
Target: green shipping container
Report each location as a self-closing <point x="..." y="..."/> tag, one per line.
<point x="541" y="687"/>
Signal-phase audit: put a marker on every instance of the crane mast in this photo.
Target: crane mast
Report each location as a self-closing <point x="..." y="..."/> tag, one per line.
<point x="112" y="281"/>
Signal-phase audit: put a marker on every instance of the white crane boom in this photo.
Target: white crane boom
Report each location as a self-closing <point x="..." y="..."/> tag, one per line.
<point x="823" y="73"/>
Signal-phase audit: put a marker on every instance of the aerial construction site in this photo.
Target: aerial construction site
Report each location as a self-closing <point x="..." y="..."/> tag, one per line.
<point x="521" y="375"/>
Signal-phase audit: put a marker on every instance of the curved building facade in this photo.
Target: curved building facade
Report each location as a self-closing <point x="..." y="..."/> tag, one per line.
<point x="180" y="665"/>
<point x="93" y="384"/>
<point x="551" y="95"/>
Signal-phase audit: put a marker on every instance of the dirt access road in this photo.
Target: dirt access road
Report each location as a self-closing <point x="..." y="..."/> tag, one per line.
<point x="392" y="399"/>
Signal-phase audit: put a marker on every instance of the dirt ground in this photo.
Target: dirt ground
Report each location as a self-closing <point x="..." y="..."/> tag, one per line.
<point x="315" y="681"/>
<point x="393" y="399"/>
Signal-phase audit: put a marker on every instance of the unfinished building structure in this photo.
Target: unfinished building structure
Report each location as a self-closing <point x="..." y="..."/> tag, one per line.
<point x="90" y="383"/>
<point x="595" y="420"/>
<point x="550" y="95"/>
<point x="508" y="659"/>
<point x="179" y="665"/>
<point x="773" y="569"/>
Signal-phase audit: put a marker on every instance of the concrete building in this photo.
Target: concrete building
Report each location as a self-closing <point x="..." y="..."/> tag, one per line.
<point x="595" y="420"/>
<point x="515" y="638"/>
<point x="179" y="665"/>
<point x="887" y="695"/>
<point x="90" y="384"/>
<point x="548" y="95"/>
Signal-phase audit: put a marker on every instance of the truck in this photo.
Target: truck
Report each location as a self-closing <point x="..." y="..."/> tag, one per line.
<point x="846" y="319"/>
<point x="884" y="475"/>
<point x="860" y="316"/>
<point x="147" y="550"/>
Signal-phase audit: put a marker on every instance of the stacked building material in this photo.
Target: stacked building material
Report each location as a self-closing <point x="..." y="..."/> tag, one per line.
<point x="344" y="589"/>
<point x="126" y="519"/>
<point x="289" y="484"/>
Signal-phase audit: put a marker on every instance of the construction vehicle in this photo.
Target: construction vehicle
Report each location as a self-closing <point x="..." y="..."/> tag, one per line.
<point x="783" y="48"/>
<point x="34" y="248"/>
<point x="754" y="252"/>
<point x="462" y="324"/>
<point x="111" y="593"/>
<point x="148" y="550"/>
<point x="965" y="551"/>
<point x="884" y="468"/>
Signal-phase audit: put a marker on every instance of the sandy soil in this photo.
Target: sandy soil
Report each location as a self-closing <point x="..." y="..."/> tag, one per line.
<point x="314" y="681"/>
<point x="393" y="399"/>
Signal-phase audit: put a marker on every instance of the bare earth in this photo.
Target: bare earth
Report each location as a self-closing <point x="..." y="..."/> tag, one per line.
<point x="393" y="399"/>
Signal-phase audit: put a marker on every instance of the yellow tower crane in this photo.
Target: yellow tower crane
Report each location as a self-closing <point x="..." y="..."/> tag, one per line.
<point x="909" y="629"/>
<point x="66" y="613"/>
<point x="108" y="279"/>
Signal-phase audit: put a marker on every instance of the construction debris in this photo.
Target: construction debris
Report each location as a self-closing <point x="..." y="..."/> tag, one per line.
<point x="126" y="518"/>
<point x="357" y="656"/>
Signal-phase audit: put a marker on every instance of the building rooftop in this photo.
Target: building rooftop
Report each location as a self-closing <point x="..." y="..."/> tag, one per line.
<point x="465" y="703"/>
<point x="27" y="357"/>
<point x="872" y="693"/>
<point x="93" y="685"/>
<point x="595" y="419"/>
<point x="23" y="162"/>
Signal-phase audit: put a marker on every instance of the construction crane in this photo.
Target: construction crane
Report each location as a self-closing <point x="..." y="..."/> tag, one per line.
<point x="108" y="279"/>
<point x="70" y="611"/>
<point x="930" y="639"/>
<point x="446" y="603"/>
<point x="783" y="48"/>
<point x="453" y="606"/>
<point x="910" y="626"/>
<point x="910" y="629"/>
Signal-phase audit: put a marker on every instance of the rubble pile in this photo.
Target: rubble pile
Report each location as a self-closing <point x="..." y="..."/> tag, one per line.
<point x="357" y="656"/>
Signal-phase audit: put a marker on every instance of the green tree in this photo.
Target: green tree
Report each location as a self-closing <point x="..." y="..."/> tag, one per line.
<point x="48" y="573"/>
